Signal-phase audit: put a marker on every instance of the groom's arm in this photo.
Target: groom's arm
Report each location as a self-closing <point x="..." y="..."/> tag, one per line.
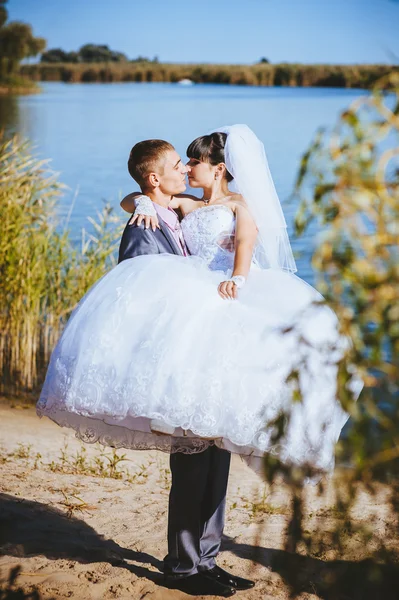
<point x="137" y="241"/>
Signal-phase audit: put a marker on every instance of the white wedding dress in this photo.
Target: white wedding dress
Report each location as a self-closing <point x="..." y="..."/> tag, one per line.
<point x="154" y="340"/>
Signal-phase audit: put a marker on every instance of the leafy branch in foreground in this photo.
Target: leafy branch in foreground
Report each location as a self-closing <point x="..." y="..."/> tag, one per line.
<point x="348" y="185"/>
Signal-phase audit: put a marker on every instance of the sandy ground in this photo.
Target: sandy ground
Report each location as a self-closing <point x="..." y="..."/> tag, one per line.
<point x="77" y="534"/>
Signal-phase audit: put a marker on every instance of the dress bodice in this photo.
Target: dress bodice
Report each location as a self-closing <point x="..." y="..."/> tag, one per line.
<point x="207" y="232"/>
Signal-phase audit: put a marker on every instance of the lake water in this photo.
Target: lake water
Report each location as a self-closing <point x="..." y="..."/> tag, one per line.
<point x="88" y="130"/>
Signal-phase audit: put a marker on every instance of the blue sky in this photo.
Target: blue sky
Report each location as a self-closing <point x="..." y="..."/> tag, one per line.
<point x="225" y="31"/>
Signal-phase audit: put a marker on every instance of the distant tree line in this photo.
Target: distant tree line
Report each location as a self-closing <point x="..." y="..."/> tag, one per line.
<point x="260" y="74"/>
<point x="99" y="53"/>
<point x="90" y="53"/>
<point x="17" y="42"/>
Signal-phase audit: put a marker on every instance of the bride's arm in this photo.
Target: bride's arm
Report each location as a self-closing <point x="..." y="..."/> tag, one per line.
<point x="143" y="210"/>
<point x="129" y="202"/>
<point x="245" y="238"/>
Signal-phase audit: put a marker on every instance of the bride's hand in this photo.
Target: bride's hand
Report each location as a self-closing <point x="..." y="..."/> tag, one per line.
<point x="145" y="210"/>
<point x="149" y="221"/>
<point x="228" y="290"/>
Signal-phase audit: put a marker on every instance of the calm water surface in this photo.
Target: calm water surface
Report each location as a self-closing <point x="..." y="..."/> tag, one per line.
<point x="88" y="130"/>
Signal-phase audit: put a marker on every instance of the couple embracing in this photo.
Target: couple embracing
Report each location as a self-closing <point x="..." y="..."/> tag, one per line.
<point x="186" y="346"/>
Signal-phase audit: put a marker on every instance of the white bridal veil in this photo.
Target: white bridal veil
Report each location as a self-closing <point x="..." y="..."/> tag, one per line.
<point x="246" y="160"/>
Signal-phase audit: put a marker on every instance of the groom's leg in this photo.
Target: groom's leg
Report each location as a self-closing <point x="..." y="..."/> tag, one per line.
<point x="189" y="485"/>
<point x="213" y="507"/>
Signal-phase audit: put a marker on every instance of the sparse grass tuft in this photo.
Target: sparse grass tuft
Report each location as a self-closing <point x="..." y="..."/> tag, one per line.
<point x="260" y="506"/>
<point x="23" y="451"/>
<point x="164" y="475"/>
<point x="103" y="464"/>
<point x="74" y="504"/>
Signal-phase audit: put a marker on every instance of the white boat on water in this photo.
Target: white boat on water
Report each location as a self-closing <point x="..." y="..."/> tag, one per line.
<point x="185" y="82"/>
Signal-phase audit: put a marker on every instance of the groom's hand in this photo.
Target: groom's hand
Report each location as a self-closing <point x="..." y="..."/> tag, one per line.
<point x="228" y="290"/>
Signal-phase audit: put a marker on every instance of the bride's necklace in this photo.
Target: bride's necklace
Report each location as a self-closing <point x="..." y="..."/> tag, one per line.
<point x="207" y="200"/>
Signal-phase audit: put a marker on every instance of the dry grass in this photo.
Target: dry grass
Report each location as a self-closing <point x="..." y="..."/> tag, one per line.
<point x="43" y="275"/>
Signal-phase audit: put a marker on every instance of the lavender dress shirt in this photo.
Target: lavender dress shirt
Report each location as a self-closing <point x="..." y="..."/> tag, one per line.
<point x="171" y="219"/>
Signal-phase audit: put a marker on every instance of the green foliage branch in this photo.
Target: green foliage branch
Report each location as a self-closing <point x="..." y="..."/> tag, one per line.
<point x="348" y="185"/>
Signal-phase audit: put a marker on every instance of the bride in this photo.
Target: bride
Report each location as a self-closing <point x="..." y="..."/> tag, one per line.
<point x="154" y="357"/>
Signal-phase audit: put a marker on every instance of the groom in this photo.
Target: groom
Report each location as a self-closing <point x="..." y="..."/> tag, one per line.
<point x="199" y="481"/>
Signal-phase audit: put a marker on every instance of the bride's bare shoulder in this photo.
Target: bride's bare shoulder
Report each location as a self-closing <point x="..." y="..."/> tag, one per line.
<point x="185" y="202"/>
<point x="237" y="200"/>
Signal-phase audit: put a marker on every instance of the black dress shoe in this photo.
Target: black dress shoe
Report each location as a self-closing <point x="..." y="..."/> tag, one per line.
<point x="218" y="574"/>
<point x="198" y="585"/>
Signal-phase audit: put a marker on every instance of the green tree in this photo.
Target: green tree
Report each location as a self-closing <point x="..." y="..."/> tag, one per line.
<point x="99" y="53"/>
<point x="72" y="57"/>
<point x="54" y="55"/>
<point x="89" y="53"/>
<point x="16" y="43"/>
<point x="3" y="12"/>
<point x="58" y="55"/>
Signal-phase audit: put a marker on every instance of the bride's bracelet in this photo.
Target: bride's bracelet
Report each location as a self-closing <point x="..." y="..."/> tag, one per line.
<point x="144" y="206"/>
<point x="239" y="280"/>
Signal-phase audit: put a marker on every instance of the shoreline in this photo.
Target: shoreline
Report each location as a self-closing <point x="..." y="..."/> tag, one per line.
<point x="16" y="90"/>
<point x="177" y="83"/>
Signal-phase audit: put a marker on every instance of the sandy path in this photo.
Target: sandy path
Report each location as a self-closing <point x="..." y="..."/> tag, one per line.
<point x="113" y="546"/>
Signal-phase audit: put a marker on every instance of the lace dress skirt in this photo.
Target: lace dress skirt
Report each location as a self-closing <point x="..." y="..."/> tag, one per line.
<point x="153" y="340"/>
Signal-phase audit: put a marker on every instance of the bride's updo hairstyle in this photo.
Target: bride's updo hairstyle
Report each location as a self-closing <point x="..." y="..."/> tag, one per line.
<point x="210" y="149"/>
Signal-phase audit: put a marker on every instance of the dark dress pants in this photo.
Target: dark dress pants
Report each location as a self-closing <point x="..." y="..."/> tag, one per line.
<point x="197" y="504"/>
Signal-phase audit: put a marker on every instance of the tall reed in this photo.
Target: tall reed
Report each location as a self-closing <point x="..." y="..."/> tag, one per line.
<point x="42" y="274"/>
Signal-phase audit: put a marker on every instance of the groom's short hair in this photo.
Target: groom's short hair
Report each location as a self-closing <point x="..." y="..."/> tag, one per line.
<point x="146" y="157"/>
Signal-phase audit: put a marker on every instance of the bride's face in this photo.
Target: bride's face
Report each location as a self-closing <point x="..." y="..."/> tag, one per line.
<point x="200" y="174"/>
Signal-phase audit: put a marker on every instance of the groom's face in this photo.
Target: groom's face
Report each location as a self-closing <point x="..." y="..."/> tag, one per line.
<point x="172" y="179"/>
